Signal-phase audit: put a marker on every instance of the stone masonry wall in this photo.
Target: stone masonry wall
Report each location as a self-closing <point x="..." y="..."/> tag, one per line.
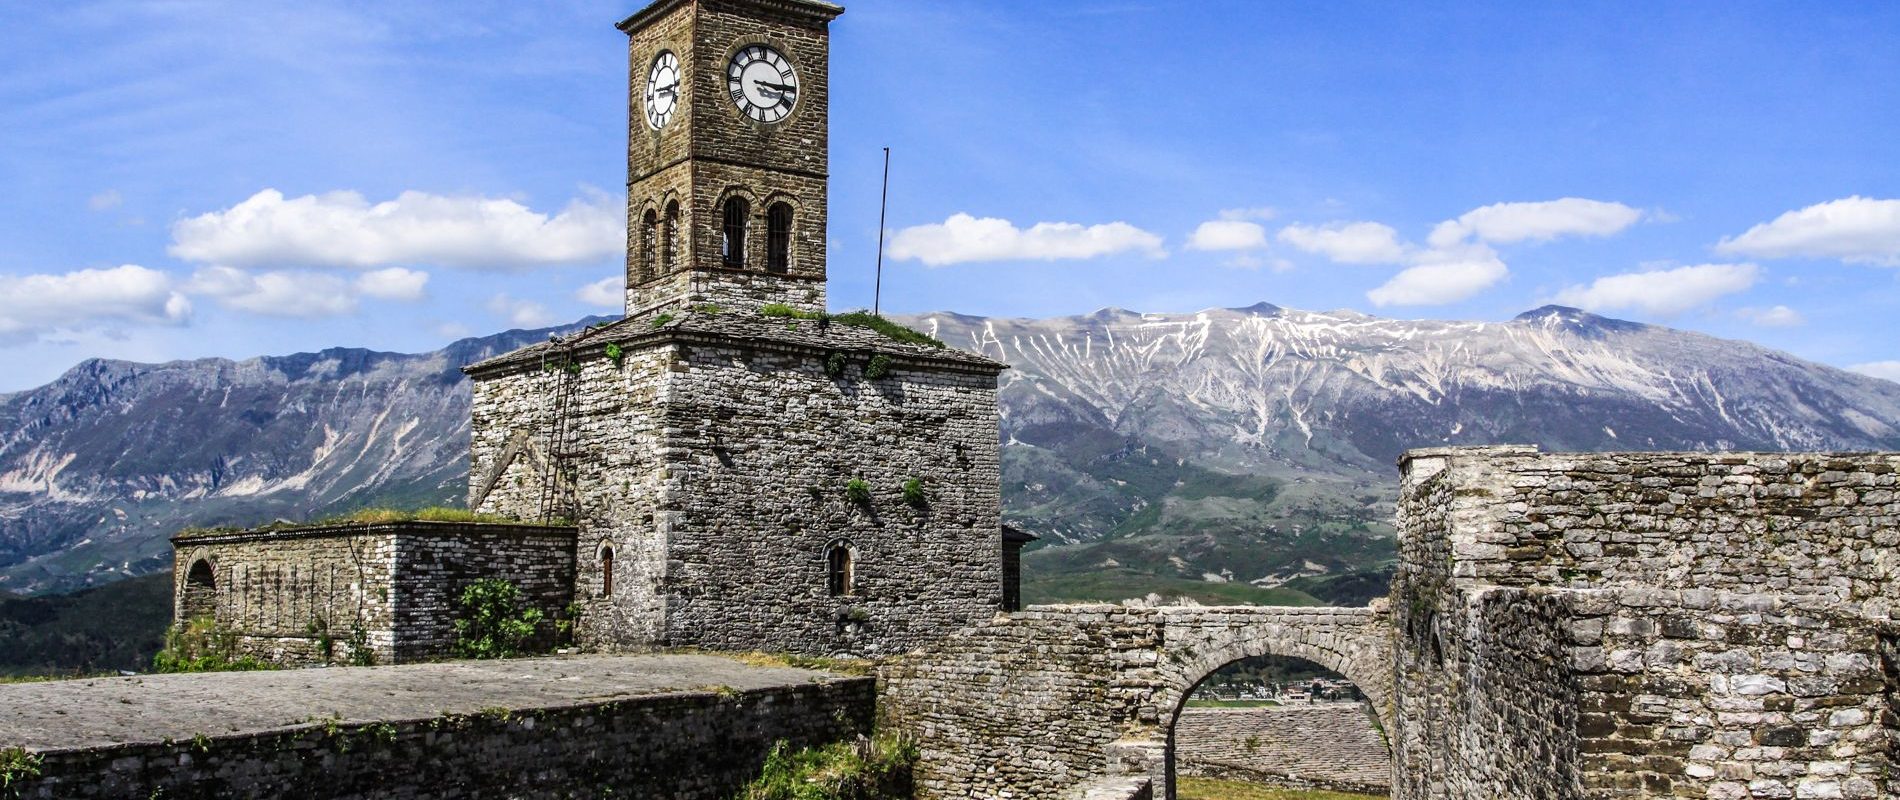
<point x="611" y="481"/>
<point x="1036" y="703"/>
<point x="1819" y="524"/>
<point x="434" y="566"/>
<point x="279" y="593"/>
<point x="1639" y="625"/>
<point x="1890" y="664"/>
<point x="759" y="445"/>
<point x="690" y="745"/>
<point x="714" y="465"/>
<point x="298" y="596"/>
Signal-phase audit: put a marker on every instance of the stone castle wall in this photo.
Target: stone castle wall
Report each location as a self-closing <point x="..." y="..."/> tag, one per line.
<point x="696" y="745"/>
<point x="283" y="594"/>
<point x="1624" y="625"/>
<point x="299" y="596"/>
<point x="715" y="466"/>
<point x="760" y="444"/>
<point x="1819" y="524"/>
<point x="1036" y="703"/>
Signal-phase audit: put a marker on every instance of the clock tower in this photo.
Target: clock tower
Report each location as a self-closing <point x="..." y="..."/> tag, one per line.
<point x="726" y="153"/>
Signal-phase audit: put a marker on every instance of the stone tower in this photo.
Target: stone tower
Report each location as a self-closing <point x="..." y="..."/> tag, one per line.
<point x="726" y="152"/>
<point x="746" y="472"/>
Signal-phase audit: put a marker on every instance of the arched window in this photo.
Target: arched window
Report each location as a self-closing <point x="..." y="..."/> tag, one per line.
<point x="607" y="570"/>
<point x="733" y="244"/>
<point x="649" y="231"/>
<point x="838" y="569"/>
<point x="670" y="238"/>
<point x="201" y="591"/>
<point x="778" y="238"/>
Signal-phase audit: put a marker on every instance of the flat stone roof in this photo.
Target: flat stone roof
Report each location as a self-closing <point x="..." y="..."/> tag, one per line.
<point x="93" y="712"/>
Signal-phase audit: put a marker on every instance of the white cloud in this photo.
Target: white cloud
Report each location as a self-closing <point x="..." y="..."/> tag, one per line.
<point x="31" y="305"/>
<point x="1774" y="317"/>
<point x="1259" y="213"/>
<point x="1502" y="223"/>
<point x="1888" y="370"/>
<point x="1228" y="234"/>
<point x="1662" y="293"/>
<point x="452" y="330"/>
<point x="393" y="283"/>
<point x="105" y="201"/>
<point x="1348" y="243"/>
<point x="606" y="292"/>
<point x="521" y="313"/>
<point x="1854" y="229"/>
<point x="964" y="239"/>
<point x="341" y="229"/>
<point x="306" y="295"/>
<point x="1442" y="276"/>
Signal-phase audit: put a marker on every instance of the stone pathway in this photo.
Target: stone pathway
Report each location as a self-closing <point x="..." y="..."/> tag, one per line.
<point x="154" y="708"/>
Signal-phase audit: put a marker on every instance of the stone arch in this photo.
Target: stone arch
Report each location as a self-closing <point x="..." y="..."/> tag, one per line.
<point x="1200" y="641"/>
<point x="733" y="213"/>
<point x="647" y="245"/>
<point x="198" y="597"/>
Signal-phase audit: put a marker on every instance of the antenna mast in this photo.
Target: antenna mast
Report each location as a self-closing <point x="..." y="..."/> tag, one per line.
<point x="877" y="288"/>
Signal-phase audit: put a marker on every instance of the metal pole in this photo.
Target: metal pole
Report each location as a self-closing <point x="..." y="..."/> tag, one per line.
<point x="877" y="289"/>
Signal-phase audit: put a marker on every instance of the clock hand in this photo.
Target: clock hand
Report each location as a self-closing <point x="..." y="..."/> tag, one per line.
<point x="775" y="86"/>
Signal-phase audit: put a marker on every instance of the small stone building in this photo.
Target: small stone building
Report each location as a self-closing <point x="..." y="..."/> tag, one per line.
<point x="320" y="593"/>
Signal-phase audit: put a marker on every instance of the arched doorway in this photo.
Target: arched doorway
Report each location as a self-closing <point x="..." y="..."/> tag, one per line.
<point x="1271" y="723"/>
<point x="199" y="598"/>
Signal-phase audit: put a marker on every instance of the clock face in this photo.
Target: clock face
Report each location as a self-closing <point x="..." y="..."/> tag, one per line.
<point x="663" y="90"/>
<point x="762" y="83"/>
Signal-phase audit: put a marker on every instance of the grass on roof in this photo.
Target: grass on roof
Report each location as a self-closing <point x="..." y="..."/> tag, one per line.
<point x="378" y="516"/>
<point x="858" y="319"/>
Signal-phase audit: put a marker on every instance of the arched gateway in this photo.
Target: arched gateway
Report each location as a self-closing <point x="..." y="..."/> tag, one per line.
<point x="1037" y="702"/>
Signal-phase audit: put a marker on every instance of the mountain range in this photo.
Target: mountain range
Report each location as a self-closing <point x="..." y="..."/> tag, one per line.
<point x="1239" y="454"/>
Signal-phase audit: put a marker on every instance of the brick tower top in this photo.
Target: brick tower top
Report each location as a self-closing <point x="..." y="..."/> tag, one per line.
<point x="726" y="153"/>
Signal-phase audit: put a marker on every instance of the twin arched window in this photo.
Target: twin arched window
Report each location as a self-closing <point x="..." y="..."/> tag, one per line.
<point x="737" y="215"/>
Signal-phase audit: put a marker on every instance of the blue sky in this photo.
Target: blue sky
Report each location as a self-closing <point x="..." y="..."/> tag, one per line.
<point x="194" y="179"/>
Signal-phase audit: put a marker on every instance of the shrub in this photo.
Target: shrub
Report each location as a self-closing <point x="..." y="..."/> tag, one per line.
<point x="17" y="766"/>
<point x="857" y="491"/>
<point x="614" y="352"/>
<point x="200" y="645"/>
<point x="834" y="365"/>
<point x="876" y="768"/>
<point x="879" y="367"/>
<point x="661" y="320"/>
<point x="914" y="493"/>
<point x="491" y="620"/>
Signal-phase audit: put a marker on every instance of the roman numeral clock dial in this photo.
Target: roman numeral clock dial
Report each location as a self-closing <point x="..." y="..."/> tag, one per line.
<point x="762" y="83"/>
<point x="663" y="90"/>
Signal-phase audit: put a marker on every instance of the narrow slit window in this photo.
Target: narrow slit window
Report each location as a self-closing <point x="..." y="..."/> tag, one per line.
<point x="607" y="571"/>
<point x="838" y="570"/>
<point x="733" y="245"/>
<point x="778" y="238"/>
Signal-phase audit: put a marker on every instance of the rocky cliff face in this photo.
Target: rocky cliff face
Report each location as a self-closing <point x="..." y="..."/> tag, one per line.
<point x="1210" y="453"/>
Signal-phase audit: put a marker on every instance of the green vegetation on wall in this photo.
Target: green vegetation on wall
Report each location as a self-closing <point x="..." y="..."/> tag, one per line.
<point x="493" y="621"/>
